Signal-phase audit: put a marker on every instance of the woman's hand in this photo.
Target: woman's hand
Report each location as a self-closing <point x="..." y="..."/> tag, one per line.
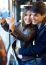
<point x="12" y="27"/>
<point x="10" y="21"/>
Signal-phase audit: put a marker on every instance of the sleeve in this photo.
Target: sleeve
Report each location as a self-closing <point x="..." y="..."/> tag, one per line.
<point x="34" y="50"/>
<point x="5" y="26"/>
<point x="26" y="38"/>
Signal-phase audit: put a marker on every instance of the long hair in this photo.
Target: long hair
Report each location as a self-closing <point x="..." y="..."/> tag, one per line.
<point x="27" y="8"/>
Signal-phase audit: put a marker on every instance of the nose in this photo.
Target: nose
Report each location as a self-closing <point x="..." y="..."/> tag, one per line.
<point x="32" y="17"/>
<point x="28" y="17"/>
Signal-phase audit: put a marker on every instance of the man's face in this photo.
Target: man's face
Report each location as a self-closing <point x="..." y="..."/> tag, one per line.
<point x="36" y="18"/>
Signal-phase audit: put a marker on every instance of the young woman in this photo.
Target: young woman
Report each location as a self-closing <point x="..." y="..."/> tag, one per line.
<point x="24" y="34"/>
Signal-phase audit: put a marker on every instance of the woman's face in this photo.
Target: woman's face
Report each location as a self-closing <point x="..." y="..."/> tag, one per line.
<point x="27" y="17"/>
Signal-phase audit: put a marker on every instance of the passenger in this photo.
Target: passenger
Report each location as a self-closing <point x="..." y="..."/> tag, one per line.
<point x="24" y="34"/>
<point x="39" y="18"/>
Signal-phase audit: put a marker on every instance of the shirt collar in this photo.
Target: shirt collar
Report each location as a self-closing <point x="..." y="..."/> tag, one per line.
<point x="39" y="25"/>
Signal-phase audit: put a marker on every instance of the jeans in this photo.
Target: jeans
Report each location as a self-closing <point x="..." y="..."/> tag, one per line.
<point x="36" y="61"/>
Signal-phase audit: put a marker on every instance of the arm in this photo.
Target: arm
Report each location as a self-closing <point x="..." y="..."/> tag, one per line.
<point x="18" y="34"/>
<point x="4" y="24"/>
<point x="34" y="51"/>
<point x="26" y="38"/>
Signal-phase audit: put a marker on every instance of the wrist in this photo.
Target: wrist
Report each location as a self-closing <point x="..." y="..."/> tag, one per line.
<point x="12" y="27"/>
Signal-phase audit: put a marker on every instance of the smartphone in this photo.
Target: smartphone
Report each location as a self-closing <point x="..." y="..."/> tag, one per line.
<point x="5" y="14"/>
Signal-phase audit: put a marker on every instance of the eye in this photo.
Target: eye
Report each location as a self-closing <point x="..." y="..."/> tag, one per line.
<point x="30" y="14"/>
<point x="25" y="14"/>
<point x="36" y="15"/>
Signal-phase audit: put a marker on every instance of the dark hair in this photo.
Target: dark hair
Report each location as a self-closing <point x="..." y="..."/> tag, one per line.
<point x="39" y="7"/>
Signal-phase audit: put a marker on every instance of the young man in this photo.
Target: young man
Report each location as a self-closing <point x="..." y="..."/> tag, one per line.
<point x="39" y="18"/>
